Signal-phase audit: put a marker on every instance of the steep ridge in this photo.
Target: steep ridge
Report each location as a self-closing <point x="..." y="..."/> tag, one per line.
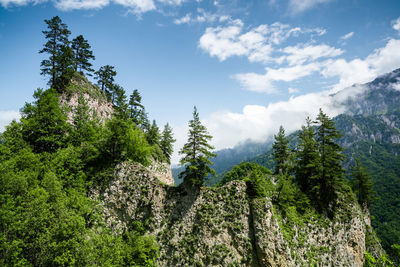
<point x="224" y="227"/>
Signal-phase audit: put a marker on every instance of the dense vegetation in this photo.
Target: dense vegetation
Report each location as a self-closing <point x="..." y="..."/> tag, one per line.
<point x="49" y="162"/>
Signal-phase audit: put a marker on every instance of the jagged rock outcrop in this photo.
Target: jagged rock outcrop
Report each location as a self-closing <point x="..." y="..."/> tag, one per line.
<point x="224" y="227"/>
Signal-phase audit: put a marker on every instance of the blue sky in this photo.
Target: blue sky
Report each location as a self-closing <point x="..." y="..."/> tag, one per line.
<point x="248" y="66"/>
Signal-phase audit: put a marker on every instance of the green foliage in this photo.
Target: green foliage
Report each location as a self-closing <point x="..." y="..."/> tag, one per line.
<point x="82" y="54"/>
<point x="153" y="134"/>
<point x="45" y="124"/>
<point x="105" y="76"/>
<point x="362" y="185"/>
<point x="166" y="142"/>
<point x="281" y="153"/>
<point x="196" y="152"/>
<point x="58" y="50"/>
<point x="242" y="171"/>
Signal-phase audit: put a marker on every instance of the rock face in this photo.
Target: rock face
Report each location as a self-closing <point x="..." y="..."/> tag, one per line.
<point x="223" y="227"/>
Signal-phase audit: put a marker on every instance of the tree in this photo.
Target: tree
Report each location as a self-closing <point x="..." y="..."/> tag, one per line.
<point x="362" y="185"/>
<point x="166" y="141"/>
<point x="57" y="39"/>
<point x="196" y="153"/>
<point x="308" y="161"/>
<point x="65" y="67"/>
<point x="45" y="125"/>
<point x="331" y="172"/>
<point x="135" y="106"/>
<point x="281" y="152"/>
<point x="120" y="102"/>
<point x="82" y="54"/>
<point x="105" y="76"/>
<point x="153" y="134"/>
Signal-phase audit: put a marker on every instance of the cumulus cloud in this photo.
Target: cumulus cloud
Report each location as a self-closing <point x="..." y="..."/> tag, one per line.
<point x="6" y="116"/>
<point x="396" y="24"/>
<point x="67" y="5"/>
<point x="202" y="16"/>
<point x="257" y="44"/>
<point x="11" y="3"/>
<point x="299" y="6"/>
<point x="302" y="53"/>
<point x="263" y="83"/>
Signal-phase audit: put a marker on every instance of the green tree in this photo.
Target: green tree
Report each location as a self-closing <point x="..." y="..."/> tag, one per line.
<point x="57" y="39"/>
<point x="281" y="152"/>
<point x="332" y="173"/>
<point x="65" y="68"/>
<point x="362" y="185"/>
<point x="105" y="76"/>
<point x="120" y="102"/>
<point x="196" y="153"/>
<point x="153" y="135"/>
<point x="135" y="106"/>
<point x="308" y="161"/>
<point x="166" y="141"/>
<point x="82" y="55"/>
<point x="45" y="124"/>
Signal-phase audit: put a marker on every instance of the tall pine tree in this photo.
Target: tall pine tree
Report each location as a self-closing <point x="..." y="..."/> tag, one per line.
<point x="362" y="185"/>
<point x="105" y="76"/>
<point x="82" y="55"/>
<point x="57" y="39"/>
<point x="307" y="169"/>
<point x="281" y="152"/>
<point x="196" y="153"/>
<point x="166" y="141"/>
<point x="332" y="173"/>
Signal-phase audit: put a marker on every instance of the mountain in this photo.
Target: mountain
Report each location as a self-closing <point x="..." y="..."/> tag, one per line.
<point x="370" y="125"/>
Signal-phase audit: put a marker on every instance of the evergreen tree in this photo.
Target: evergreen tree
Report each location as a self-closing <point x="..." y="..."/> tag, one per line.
<point x="308" y="161"/>
<point x="135" y="106"/>
<point x="196" y="153"/>
<point x="166" y="141"/>
<point x="57" y="39"/>
<point x="362" y="185"/>
<point x="153" y="134"/>
<point x="331" y="172"/>
<point x="120" y="102"/>
<point x="281" y="152"/>
<point x="82" y="55"/>
<point x="105" y="76"/>
<point x="65" y="68"/>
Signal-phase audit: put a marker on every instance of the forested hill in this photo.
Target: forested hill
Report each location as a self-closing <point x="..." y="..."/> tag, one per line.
<point x="371" y="132"/>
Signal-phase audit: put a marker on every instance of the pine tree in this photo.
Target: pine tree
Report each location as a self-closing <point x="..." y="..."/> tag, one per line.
<point x="196" y="153"/>
<point x="57" y="39"/>
<point x="65" y="68"/>
<point x="362" y="185"/>
<point x="105" y="76"/>
<point x="153" y="134"/>
<point x="308" y="160"/>
<point x="135" y="106"/>
<point x="82" y="55"/>
<point x="331" y="173"/>
<point x="281" y="152"/>
<point x="120" y="101"/>
<point x="166" y="141"/>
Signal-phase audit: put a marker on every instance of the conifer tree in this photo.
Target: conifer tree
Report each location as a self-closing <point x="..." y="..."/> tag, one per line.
<point x="135" y="106"/>
<point x="281" y="152"/>
<point x="362" y="185"/>
<point x="82" y="55"/>
<point x="65" y="68"/>
<point x="57" y="39"/>
<point x="153" y="134"/>
<point x="332" y="172"/>
<point x="166" y="141"/>
<point x="120" y="102"/>
<point x="196" y="153"/>
<point x="308" y="161"/>
<point x="105" y="76"/>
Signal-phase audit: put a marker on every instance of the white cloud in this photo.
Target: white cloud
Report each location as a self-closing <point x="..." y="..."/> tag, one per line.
<point x="257" y="44"/>
<point x="396" y="24"/>
<point x="263" y="83"/>
<point x="299" y="6"/>
<point x="137" y="6"/>
<point x="302" y="53"/>
<point x="293" y="90"/>
<point x="10" y="3"/>
<point x="67" y="5"/>
<point x="6" y="116"/>
<point x="202" y="16"/>
<point x="346" y="36"/>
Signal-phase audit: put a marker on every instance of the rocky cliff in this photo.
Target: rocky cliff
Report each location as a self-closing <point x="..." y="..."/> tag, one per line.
<point x="224" y="227"/>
